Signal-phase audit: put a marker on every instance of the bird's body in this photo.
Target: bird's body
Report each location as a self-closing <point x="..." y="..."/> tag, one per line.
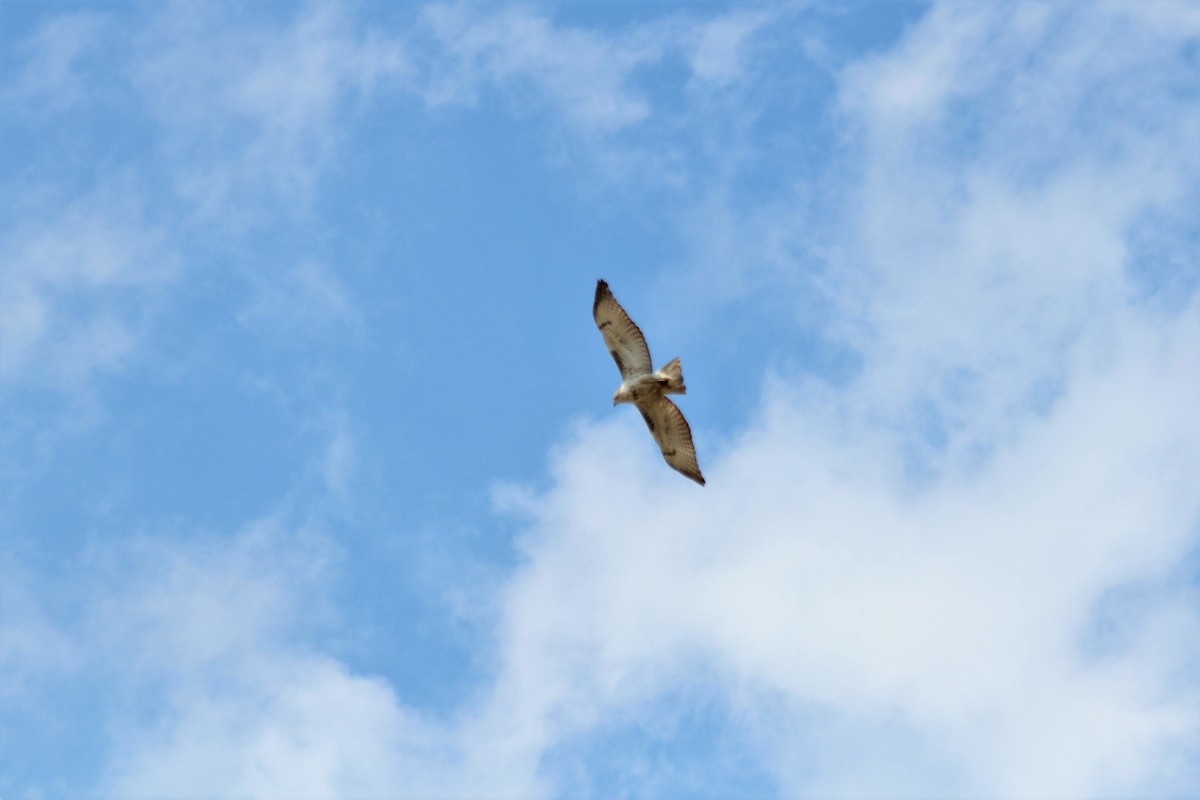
<point x="646" y="387"/>
<point x="650" y="386"/>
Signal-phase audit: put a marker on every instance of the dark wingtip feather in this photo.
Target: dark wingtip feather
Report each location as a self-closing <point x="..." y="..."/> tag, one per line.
<point x="697" y="477"/>
<point x="601" y="291"/>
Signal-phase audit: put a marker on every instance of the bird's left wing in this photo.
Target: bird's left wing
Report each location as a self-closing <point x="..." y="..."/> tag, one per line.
<point x="673" y="434"/>
<point x="622" y="336"/>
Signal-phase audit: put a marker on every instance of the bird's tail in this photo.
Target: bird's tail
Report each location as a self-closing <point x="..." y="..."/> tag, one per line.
<point x="673" y="372"/>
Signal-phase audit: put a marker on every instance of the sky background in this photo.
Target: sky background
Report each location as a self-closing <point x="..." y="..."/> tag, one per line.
<point x="310" y="484"/>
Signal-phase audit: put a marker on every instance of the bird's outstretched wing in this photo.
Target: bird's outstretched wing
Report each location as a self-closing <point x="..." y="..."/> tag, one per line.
<point x="622" y="336"/>
<point x="673" y="434"/>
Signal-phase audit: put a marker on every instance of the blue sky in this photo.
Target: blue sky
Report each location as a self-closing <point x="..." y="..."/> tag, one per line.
<point x="310" y="484"/>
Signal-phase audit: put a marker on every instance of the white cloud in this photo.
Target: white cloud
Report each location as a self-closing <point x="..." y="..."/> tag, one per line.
<point x="984" y="272"/>
<point x="30" y="644"/>
<point x="205" y="658"/>
<point x="304" y="297"/>
<point x="77" y="280"/>
<point x="721" y="45"/>
<point x="293" y="726"/>
<point x="81" y="279"/>
<point x="992" y="245"/>
<point x="215" y="685"/>
<point x="51" y="79"/>
<point x="584" y="75"/>
<point x="587" y="76"/>
<point x="262" y="120"/>
<point x="339" y="460"/>
<point x="807" y="570"/>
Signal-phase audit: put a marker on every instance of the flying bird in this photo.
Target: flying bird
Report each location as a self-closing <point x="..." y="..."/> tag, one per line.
<point x="644" y="387"/>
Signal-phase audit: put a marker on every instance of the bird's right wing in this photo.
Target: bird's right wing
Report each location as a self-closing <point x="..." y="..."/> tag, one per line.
<point x="673" y="434"/>
<point x="622" y="336"/>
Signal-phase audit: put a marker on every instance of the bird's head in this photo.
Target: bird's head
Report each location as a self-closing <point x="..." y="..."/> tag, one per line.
<point x="622" y="395"/>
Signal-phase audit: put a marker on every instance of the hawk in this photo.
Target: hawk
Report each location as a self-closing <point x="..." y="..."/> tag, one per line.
<point x="644" y="387"/>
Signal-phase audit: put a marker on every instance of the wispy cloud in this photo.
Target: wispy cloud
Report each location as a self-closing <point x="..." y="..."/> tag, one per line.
<point x="602" y="91"/>
<point x="77" y="277"/>
<point x="585" y="76"/>
<point x="307" y="296"/>
<point x="993" y="245"/>
<point x="260" y="122"/>
<point x="82" y="278"/>
<point x="208" y="621"/>
<point x="588" y="77"/>
<point x="212" y="684"/>
<point x="52" y="79"/>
